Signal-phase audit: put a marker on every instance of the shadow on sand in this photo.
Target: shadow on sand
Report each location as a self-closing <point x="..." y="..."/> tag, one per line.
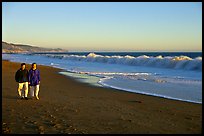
<point x="11" y="97"/>
<point x="136" y="101"/>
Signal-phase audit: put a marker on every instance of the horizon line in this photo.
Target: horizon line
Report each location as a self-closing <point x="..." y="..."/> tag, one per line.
<point x="102" y="50"/>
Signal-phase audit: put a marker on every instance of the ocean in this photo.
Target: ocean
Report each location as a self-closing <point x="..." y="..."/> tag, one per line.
<point x="171" y="75"/>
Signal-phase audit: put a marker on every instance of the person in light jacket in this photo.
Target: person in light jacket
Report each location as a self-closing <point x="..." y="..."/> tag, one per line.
<point x="34" y="81"/>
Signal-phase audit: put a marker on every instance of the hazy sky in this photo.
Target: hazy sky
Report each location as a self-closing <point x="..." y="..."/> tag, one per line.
<point x="104" y="26"/>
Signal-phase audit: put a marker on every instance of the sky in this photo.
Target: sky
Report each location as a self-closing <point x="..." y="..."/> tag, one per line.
<point x="104" y="26"/>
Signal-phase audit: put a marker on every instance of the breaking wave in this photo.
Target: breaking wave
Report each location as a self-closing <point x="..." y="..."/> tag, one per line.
<point x="172" y="62"/>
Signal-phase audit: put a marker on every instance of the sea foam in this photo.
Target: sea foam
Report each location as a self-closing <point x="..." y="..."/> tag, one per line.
<point x="172" y="62"/>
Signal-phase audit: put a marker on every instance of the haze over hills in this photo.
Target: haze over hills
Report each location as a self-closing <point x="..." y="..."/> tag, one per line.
<point x="20" y="48"/>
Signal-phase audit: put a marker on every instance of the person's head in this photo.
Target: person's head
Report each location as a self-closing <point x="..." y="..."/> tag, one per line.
<point x="34" y="66"/>
<point x="23" y="65"/>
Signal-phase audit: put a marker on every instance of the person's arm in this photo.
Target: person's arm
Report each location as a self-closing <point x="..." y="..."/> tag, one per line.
<point x="29" y="76"/>
<point x="17" y="76"/>
<point x="39" y="76"/>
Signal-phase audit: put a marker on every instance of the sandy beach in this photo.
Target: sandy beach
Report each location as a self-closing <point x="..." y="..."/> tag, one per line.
<point x="67" y="106"/>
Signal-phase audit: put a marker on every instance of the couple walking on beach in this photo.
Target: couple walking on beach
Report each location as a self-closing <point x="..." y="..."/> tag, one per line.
<point x="28" y="80"/>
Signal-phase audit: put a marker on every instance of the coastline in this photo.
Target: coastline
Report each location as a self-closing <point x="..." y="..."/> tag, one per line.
<point x="69" y="106"/>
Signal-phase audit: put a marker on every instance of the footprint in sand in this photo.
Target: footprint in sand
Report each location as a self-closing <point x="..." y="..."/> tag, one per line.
<point x="52" y="116"/>
<point x="5" y="128"/>
<point x="58" y="126"/>
<point x="41" y="129"/>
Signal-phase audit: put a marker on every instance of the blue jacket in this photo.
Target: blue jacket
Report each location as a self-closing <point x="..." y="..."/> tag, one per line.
<point x="34" y="77"/>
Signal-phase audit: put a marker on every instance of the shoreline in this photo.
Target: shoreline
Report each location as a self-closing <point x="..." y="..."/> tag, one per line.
<point x="69" y="106"/>
<point x="78" y="79"/>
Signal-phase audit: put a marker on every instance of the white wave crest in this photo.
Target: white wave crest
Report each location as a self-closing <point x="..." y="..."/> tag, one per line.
<point x="176" y="62"/>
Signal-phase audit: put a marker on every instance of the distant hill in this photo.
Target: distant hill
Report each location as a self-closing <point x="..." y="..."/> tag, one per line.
<point x="19" y="48"/>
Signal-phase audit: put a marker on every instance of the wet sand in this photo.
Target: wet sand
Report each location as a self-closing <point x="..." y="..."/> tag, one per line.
<point x="69" y="107"/>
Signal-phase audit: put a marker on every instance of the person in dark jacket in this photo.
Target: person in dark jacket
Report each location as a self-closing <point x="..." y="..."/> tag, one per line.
<point x="34" y="81"/>
<point x="21" y="77"/>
